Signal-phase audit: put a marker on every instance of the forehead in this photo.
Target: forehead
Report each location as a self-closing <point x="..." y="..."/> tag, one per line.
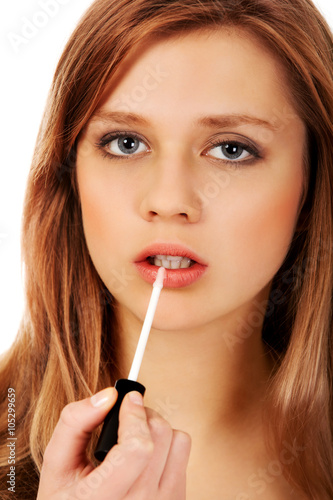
<point x="208" y="67"/>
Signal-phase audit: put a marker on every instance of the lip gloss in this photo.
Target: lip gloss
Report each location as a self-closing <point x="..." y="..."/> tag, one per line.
<point x="109" y="435"/>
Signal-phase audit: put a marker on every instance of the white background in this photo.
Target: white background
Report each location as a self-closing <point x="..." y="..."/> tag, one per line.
<point x="26" y="74"/>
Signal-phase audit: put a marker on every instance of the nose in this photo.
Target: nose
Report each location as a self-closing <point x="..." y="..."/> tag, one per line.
<point x="169" y="192"/>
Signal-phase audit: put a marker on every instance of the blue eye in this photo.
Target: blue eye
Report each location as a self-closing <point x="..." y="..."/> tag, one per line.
<point x="232" y="151"/>
<point x="120" y="145"/>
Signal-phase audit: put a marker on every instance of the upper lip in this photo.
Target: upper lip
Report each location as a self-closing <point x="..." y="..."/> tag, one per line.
<point x="169" y="249"/>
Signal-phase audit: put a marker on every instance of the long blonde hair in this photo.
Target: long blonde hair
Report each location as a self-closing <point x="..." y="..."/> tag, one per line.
<point x="65" y="349"/>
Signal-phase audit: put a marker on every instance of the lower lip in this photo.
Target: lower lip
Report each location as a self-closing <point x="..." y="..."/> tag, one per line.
<point x="174" y="278"/>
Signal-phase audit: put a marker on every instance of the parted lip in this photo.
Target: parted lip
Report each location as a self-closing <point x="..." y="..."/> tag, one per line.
<point x="169" y="249"/>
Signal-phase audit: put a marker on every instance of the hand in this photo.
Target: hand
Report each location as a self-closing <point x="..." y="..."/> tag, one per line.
<point x="149" y="462"/>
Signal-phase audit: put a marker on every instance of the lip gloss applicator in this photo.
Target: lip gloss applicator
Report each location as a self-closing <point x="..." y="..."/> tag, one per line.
<point x="109" y="435"/>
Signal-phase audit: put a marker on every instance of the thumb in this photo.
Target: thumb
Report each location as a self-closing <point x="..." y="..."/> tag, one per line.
<point x="66" y="451"/>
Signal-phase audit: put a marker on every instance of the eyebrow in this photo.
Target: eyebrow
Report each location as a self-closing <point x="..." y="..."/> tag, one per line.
<point x="215" y="121"/>
<point x="119" y="117"/>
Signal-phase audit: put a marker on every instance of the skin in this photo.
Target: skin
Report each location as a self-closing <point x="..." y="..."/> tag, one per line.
<point x="205" y="366"/>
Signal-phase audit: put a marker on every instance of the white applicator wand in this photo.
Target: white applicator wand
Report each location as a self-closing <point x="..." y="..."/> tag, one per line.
<point x="157" y="287"/>
<point x="109" y="434"/>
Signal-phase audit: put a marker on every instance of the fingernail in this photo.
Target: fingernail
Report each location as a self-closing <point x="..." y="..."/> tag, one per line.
<point x="136" y="398"/>
<point x="101" y="398"/>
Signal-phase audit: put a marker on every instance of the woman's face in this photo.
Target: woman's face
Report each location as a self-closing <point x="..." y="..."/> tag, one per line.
<point x="198" y="145"/>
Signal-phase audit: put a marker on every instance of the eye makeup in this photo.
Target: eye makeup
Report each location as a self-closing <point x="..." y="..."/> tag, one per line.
<point x="235" y="144"/>
<point x="112" y="136"/>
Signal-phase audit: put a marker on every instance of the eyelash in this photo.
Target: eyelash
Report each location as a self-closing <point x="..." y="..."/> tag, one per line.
<point x="243" y="145"/>
<point x="104" y="141"/>
<point x="111" y="137"/>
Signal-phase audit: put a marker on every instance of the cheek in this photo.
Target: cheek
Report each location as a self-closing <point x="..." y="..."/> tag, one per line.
<point x="263" y="228"/>
<point x="104" y="203"/>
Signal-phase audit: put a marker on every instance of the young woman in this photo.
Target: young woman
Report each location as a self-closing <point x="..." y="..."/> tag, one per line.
<point x="195" y="136"/>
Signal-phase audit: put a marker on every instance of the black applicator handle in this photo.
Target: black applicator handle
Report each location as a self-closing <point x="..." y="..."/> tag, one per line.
<point x="109" y="435"/>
